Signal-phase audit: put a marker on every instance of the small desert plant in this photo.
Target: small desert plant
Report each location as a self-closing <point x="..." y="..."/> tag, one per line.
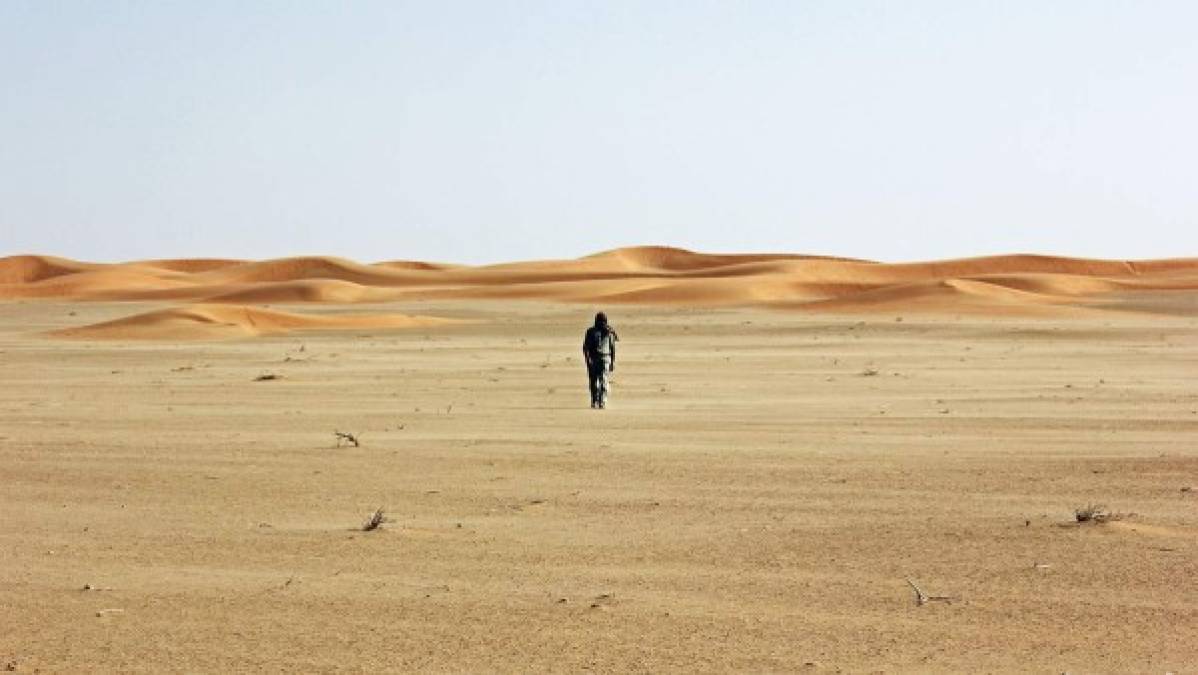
<point x="266" y="377"/>
<point x="375" y="521"/>
<point x="346" y="437"/>
<point x="869" y="372"/>
<point x="1094" y="513"/>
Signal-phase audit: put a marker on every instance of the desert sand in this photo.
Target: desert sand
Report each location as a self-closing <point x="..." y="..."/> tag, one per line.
<point x="1022" y="285"/>
<point x="790" y="440"/>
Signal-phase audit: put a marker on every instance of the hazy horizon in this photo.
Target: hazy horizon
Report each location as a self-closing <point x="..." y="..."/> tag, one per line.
<point x="470" y="132"/>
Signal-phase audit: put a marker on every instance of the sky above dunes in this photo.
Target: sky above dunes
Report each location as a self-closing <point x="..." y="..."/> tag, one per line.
<point x="490" y="131"/>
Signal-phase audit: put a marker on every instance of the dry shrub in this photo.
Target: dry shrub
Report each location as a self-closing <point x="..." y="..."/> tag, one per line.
<point x="375" y="521"/>
<point x="1095" y="513"/>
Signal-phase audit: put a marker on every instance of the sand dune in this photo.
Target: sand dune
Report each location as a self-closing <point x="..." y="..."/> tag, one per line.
<point x="296" y="269"/>
<point x="1056" y="284"/>
<point x="416" y="265"/>
<point x="1031" y="285"/>
<point x="306" y="290"/>
<point x="26" y="269"/>
<point x="956" y="295"/>
<point x="188" y="264"/>
<point x="680" y="260"/>
<point x="116" y="282"/>
<point x="214" y="322"/>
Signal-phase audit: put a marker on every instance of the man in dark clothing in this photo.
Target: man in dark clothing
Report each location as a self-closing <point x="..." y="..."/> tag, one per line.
<point x="599" y="350"/>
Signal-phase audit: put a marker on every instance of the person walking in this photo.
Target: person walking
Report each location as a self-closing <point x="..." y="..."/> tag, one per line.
<point x="599" y="350"/>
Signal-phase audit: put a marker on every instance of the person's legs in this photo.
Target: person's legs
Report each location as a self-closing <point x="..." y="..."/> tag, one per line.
<point x="593" y="382"/>
<point x="602" y="384"/>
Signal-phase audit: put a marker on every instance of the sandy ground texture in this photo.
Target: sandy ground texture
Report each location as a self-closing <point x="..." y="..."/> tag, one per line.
<point x="754" y="499"/>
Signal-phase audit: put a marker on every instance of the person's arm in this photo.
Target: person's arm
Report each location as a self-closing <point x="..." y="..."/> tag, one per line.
<point x="612" y="337"/>
<point x="586" y="356"/>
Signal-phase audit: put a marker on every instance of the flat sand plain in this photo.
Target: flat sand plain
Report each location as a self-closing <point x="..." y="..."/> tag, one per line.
<point x="754" y="499"/>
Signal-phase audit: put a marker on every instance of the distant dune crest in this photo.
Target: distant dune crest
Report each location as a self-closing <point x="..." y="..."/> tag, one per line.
<point x="1003" y="285"/>
<point x="28" y="269"/>
<point x="666" y="258"/>
<point x="214" y="322"/>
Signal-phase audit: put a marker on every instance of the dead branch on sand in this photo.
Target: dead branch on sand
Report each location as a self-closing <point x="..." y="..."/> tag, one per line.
<point x="922" y="598"/>
<point x="346" y="437"/>
<point x="376" y="520"/>
<point x="1095" y="513"/>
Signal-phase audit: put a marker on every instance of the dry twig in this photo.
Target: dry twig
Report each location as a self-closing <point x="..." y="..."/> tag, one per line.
<point x="922" y="598"/>
<point x="1095" y="513"/>
<point x="376" y="520"/>
<point x="346" y="437"/>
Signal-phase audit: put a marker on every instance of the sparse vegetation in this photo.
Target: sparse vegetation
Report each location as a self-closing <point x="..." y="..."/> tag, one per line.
<point x="346" y="437"/>
<point x="922" y="598"/>
<point x="375" y="521"/>
<point x="1095" y="513"/>
<point x="264" y="377"/>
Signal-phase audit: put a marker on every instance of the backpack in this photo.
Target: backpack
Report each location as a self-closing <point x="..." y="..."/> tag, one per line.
<point x="597" y="340"/>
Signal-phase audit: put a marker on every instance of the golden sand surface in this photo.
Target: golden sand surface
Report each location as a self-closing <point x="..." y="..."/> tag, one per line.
<point x="755" y="498"/>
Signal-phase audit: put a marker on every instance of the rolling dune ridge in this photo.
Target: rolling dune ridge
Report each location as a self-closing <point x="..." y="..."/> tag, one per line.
<point x="1014" y="285"/>
<point x="27" y="269"/>
<point x="198" y="322"/>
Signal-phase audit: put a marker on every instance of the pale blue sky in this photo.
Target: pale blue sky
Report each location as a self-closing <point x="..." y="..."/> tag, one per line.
<point x="488" y="131"/>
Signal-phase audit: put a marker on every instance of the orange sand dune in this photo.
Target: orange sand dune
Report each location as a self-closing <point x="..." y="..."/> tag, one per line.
<point x="215" y="322"/>
<point x="117" y="282"/>
<point x="950" y="295"/>
<point x="1055" y="284"/>
<point x="1007" y="284"/>
<point x="26" y="269"/>
<point x="312" y="267"/>
<point x="416" y="265"/>
<point x="306" y="290"/>
<point x="189" y="264"/>
<point x="681" y="260"/>
<point x="1023" y="263"/>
